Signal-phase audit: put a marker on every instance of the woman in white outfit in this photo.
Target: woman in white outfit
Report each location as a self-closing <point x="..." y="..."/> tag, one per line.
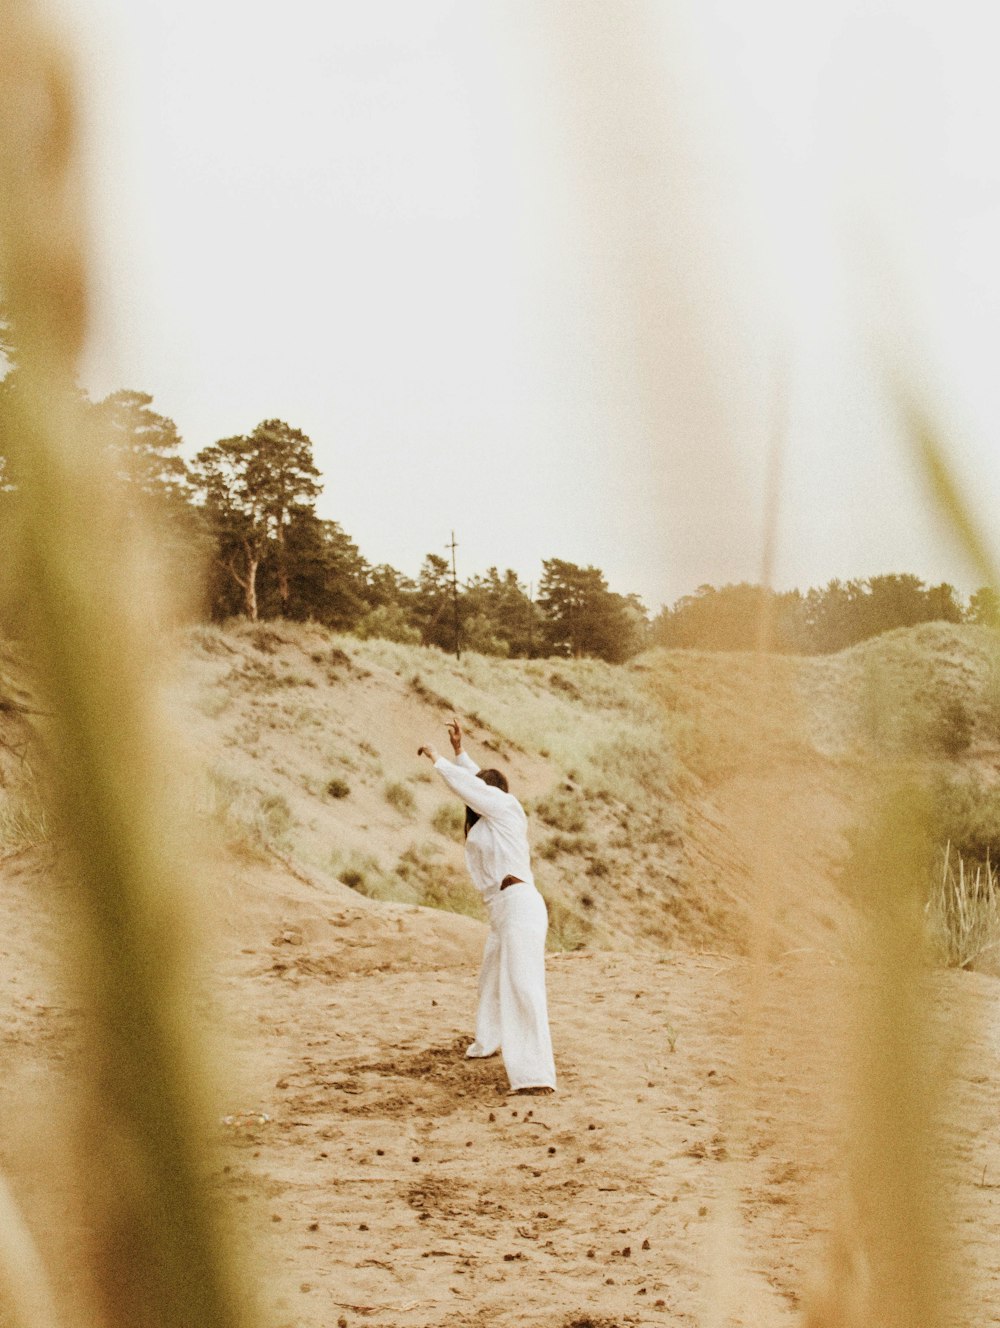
<point x="512" y="1014"/>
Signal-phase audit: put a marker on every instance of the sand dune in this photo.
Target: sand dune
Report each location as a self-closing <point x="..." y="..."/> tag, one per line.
<point x="688" y="1170"/>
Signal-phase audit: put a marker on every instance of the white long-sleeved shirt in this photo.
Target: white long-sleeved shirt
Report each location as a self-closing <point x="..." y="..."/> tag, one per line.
<point x="497" y="845"/>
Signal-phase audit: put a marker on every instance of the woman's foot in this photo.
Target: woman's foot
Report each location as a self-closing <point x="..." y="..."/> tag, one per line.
<point x="477" y="1052"/>
<point x="536" y="1090"/>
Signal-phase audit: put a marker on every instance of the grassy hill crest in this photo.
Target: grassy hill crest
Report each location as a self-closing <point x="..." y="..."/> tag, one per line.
<point x="651" y="786"/>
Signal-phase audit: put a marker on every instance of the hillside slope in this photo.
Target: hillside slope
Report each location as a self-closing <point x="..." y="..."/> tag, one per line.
<point x="662" y="793"/>
<point x="309" y="746"/>
<point x="664" y="796"/>
<point x="684" y="808"/>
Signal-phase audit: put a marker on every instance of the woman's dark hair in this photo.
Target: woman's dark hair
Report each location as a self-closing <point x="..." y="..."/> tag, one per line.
<point x="495" y="779"/>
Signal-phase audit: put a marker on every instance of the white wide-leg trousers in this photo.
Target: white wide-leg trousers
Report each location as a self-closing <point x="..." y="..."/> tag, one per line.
<point x="513" y="1013"/>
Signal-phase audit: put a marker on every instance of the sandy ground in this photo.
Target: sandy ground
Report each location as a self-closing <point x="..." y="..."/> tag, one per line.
<point x="685" y="1173"/>
<point x="425" y="1194"/>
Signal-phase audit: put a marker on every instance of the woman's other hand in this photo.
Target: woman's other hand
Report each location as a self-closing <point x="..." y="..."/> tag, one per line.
<point x="455" y="734"/>
<point x="429" y="752"/>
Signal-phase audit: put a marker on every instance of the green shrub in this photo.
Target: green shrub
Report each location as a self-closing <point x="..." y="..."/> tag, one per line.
<point x="905" y="711"/>
<point x="363" y="873"/>
<point x="450" y="891"/>
<point x="211" y="640"/>
<point x="566" y="931"/>
<point x="389" y="623"/>
<point x="449" y="820"/>
<point x="967" y="816"/>
<point x="259" y="674"/>
<point x="951" y="728"/>
<point x="560" y="683"/>
<point x="401" y="798"/>
<point x="265" y="638"/>
<point x="333" y="659"/>
<point x="435" y="884"/>
<point x="276" y="815"/>
<point x="429" y="695"/>
<point x="558" y="844"/>
<point x="563" y="811"/>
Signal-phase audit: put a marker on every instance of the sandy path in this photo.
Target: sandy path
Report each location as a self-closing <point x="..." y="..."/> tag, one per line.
<point x="404" y="1187"/>
<point x="397" y="1184"/>
<point x="684" y="1174"/>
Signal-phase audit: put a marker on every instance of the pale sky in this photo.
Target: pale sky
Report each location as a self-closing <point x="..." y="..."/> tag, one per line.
<point x="533" y="269"/>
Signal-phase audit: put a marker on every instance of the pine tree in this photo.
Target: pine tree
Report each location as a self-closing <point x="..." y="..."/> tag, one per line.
<point x="252" y="486"/>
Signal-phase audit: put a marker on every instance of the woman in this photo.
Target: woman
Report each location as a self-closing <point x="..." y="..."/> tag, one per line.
<point x="512" y="1014"/>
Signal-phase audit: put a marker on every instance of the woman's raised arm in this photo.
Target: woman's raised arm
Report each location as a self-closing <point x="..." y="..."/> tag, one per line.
<point x="485" y="799"/>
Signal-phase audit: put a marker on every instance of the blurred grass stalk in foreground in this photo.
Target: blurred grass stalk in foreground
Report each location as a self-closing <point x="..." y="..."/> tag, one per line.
<point x="886" y="1261"/>
<point x="156" y="1257"/>
<point x="891" y="1258"/>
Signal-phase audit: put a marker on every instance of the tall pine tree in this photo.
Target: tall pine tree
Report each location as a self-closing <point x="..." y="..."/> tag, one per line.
<point x="252" y="486"/>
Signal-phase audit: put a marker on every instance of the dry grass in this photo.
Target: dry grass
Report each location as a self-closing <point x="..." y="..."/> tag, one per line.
<point x="248" y="819"/>
<point x="400" y="798"/>
<point x="534" y="706"/>
<point x="624" y="820"/>
<point x="963" y="911"/>
<point x="449" y="820"/>
<point x="24" y="822"/>
<point x="417" y="877"/>
<point x="153" y="1251"/>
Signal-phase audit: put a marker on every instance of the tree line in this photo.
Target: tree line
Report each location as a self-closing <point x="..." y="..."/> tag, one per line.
<point x="244" y="508"/>
<point x="271" y="555"/>
<point x="817" y="622"/>
<point x="240" y="518"/>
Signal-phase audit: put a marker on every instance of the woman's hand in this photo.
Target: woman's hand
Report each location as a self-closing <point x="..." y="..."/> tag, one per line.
<point x="455" y="734"/>
<point x="429" y="752"/>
